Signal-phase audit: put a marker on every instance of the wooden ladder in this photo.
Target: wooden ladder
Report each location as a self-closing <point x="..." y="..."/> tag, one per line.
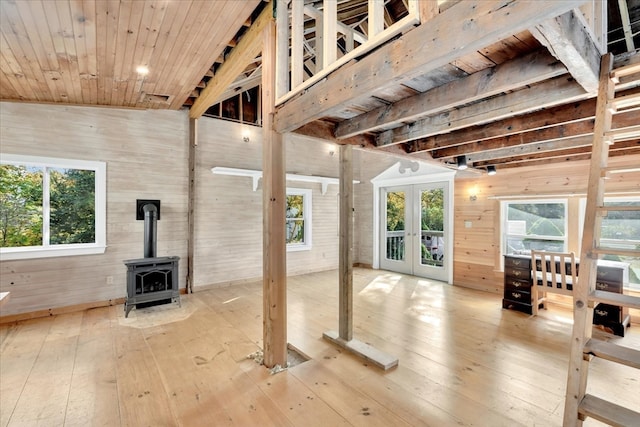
<point x="578" y="404"/>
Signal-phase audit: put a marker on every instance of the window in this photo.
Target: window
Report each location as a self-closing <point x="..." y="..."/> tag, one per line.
<point x="539" y="225"/>
<point x="51" y="207"/>
<point x="298" y="221"/>
<point x="620" y="230"/>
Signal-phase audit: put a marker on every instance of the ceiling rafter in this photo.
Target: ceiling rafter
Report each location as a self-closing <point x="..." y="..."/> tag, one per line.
<point x="508" y="76"/>
<point x="422" y="49"/>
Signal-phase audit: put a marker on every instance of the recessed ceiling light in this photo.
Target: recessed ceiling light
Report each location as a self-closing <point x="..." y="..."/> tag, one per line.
<point x="142" y="69"/>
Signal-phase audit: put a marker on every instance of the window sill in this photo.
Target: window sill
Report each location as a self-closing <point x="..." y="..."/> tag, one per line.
<point x="31" y="253"/>
<point x="298" y="248"/>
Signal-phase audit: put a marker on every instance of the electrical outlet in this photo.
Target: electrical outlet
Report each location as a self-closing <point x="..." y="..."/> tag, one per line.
<point x="109" y="280"/>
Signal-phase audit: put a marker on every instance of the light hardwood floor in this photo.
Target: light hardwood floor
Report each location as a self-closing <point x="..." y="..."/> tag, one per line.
<point x="463" y="361"/>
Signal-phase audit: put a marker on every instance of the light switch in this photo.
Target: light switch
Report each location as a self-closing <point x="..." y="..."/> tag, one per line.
<point x="467" y="224"/>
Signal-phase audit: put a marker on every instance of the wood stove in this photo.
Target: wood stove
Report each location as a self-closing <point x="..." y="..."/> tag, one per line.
<point x="151" y="279"/>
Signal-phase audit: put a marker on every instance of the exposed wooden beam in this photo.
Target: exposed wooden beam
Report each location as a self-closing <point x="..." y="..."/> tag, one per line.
<point x="531" y="150"/>
<point x="512" y="125"/>
<point x="544" y="95"/>
<point x="243" y="85"/>
<point x="463" y="29"/>
<point x="568" y="39"/>
<point x="555" y="133"/>
<point x="568" y="158"/>
<point x="514" y="74"/>
<point x="242" y="55"/>
<point x="274" y="250"/>
<point x="325" y="130"/>
<point x="564" y="148"/>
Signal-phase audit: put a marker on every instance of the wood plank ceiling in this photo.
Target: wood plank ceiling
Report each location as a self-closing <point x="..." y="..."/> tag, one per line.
<point x="87" y="52"/>
<point x="509" y="103"/>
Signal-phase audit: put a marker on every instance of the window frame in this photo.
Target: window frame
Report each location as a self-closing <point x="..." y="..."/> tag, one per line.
<point x="307" y="207"/>
<point x="46" y="250"/>
<point x="504" y="206"/>
<point x="611" y="199"/>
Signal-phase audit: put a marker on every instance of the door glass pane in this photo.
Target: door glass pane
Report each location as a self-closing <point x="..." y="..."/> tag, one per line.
<point x="432" y="227"/>
<point x="395" y="225"/>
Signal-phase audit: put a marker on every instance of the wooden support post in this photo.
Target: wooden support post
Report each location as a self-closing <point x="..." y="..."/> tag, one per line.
<point x="376" y="18"/>
<point x="330" y="30"/>
<point x="344" y="336"/>
<point x="297" y="43"/>
<point x="193" y="143"/>
<point x="428" y="9"/>
<point x="282" y="61"/>
<point x="274" y="249"/>
<point x="345" y="262"/>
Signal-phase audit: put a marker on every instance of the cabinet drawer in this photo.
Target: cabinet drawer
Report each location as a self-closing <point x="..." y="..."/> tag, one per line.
<point x="524" y="263"/>
<point x="517" y="273"/>
<point x="517" y="295"/>
<point x="609" y="287"/>
<point x="606" y="313"/>
<point x="610" y="274"/>
<point x="514" y="284"/>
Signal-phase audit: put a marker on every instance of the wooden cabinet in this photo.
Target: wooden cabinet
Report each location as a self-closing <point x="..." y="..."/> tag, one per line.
<point x="611" y="318"/>
<point x="611" y="276"/>
<point x="517" y="283"/>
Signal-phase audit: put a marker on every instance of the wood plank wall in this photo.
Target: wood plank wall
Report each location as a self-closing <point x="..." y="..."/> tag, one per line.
<point x="147" y="158"/>
<point x="146" y="155"/>
<point x="477" y="249"/>
<point x="477" y="262"/>
<point x="229" y="213"/>
<point x="367" y="165"/>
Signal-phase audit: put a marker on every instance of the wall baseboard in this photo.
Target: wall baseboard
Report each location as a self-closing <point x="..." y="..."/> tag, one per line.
<point x="64" y="310"/>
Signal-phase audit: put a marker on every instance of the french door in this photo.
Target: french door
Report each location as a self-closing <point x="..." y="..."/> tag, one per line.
<point x="414" y="223"/>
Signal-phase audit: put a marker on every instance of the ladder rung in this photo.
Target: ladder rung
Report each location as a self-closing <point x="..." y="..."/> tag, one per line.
<point x="613" y="298"/>
<point x="615" y="251"/>
<point x="607" y="412"/>
<point x="622" y="102"/>
<point x="626" y="70"/>
<point x="623" y="134"/>
<point x="617" y="208"/>
<point x="615" y="353"/>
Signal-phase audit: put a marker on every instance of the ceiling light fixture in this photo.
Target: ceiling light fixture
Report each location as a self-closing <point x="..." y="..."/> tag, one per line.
<point x="142" y="70"/>
<point x="462" y="162"/>
<point x="491" y="170"/>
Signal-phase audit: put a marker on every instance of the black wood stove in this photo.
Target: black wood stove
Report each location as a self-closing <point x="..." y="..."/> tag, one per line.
<point x="151" y="280"/>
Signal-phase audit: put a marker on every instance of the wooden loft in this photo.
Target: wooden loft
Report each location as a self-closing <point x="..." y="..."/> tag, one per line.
<point x="504" y="95"/>
<point x="518" y="94"/>
<point x="522" y="95"/>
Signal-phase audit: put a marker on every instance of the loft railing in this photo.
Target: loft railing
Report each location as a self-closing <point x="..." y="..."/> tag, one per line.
<point x="302" y="60"/>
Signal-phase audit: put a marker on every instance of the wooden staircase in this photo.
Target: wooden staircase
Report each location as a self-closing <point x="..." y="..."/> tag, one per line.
<point x="578" y="404"/>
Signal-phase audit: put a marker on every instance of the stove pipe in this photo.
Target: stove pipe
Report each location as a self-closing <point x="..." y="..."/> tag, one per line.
<point x="150" y="230"/>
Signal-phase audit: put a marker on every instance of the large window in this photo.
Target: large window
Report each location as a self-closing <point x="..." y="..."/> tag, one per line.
<point x="51" y="207"/>
<point x="539" y="225"/>
<point x="620" y="230"/>
<point x="298" y="221"/>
